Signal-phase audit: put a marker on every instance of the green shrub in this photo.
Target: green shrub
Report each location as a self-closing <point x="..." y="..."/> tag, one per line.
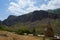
<point x="19" y="31"/>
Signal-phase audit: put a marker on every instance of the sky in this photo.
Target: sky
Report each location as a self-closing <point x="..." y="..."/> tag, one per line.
<point x="20" y="7"/>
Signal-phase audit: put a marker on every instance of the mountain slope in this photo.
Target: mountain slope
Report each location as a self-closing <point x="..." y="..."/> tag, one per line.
<point x="30" y="17"/>
<point x="56" y="11"/>
<point x="37" y="19"/>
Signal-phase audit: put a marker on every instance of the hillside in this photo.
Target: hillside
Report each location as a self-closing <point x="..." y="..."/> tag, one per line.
<point x="4" y="35"/>
<point x="30" y="17"/>
<point x="56" y="11"/>
<point x="36" y="19"/>
<point x="38" y="25"/>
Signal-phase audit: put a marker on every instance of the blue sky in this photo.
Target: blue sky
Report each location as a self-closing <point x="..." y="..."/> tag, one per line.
<point x="20" y="7"/>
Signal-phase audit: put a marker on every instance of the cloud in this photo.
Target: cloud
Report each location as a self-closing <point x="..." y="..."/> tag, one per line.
<point x="25" y="6"/>
<point x="53" y="4"/>
<point x="22" y="6"/>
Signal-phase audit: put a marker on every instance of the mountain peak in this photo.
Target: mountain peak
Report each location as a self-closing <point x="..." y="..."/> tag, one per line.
<point x="11" y="16"/>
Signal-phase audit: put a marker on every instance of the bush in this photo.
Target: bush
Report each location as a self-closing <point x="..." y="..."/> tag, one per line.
<point x="19" y="31"/>
<point x="1" y="28"/>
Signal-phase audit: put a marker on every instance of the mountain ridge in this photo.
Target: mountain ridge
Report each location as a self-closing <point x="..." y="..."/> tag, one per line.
<point x="30" y="17"/>
<point x="27" y="22"/>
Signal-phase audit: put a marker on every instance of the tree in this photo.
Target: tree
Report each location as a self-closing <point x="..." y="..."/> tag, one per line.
<point x="34" y="31"/>
<point x="49" y="31"/>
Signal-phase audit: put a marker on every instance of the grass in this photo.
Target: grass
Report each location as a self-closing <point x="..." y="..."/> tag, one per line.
<point x="4" y="35"/>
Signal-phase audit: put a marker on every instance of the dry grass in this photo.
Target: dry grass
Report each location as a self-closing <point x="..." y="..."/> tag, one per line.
<point x="4" y="35"/>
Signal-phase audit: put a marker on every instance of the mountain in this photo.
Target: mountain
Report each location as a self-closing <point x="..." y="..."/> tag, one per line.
<point x="30" y="17"/>
<point x="10" y="20"/>
<point x="56" y="11"/>
<point x="37" y="19"/>
<point x="0" y="21"/>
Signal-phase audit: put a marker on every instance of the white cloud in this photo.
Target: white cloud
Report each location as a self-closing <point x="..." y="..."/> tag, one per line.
<point x="53" y="4"/>
<point x="25" y="6"/>
<point x="22" y="6"/>
<point x="43" y="7"/>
